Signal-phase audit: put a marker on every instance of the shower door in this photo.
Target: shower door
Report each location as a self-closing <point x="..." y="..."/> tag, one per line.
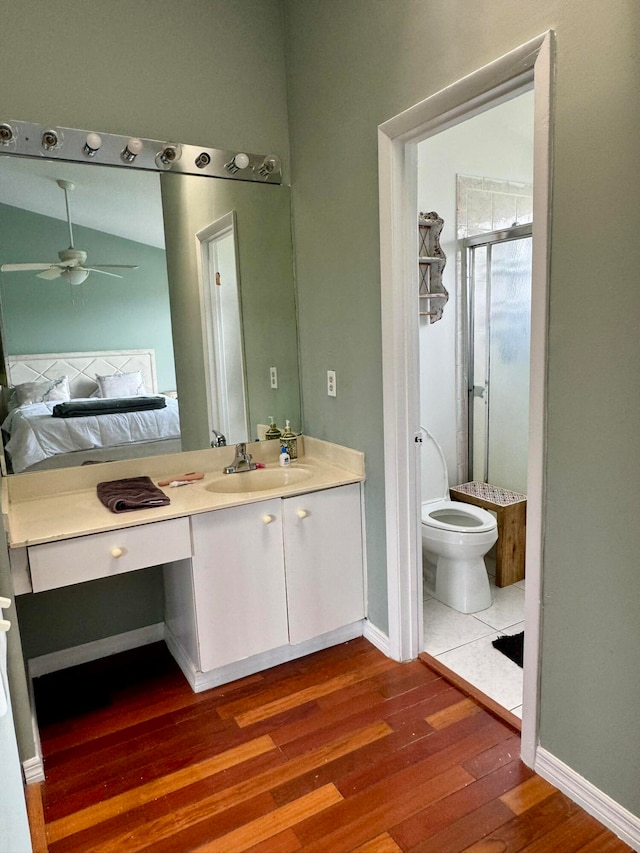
<point x="498" y="276"/>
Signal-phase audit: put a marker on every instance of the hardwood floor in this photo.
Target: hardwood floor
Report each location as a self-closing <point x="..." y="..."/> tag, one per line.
<point x="344" y="750"/>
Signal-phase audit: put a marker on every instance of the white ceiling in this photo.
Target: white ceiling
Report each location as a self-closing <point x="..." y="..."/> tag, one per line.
<point x="120" y="201"/>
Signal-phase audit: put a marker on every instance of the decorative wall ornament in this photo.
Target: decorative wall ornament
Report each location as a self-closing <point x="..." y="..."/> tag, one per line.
<point x="432" y="294"/>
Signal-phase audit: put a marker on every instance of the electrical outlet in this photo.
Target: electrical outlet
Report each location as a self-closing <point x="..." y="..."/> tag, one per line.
<point x="273" y="373"/>
<point x="331" y="383"/>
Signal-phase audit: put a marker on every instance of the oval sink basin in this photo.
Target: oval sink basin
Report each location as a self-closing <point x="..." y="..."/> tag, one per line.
<point x="260" y="480"/>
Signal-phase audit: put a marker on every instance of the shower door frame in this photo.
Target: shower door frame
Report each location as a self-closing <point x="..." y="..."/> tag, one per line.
<point x="488" y="239"/>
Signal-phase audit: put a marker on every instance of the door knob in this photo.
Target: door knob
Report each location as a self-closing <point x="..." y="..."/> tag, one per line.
<point x="302" y="513"/>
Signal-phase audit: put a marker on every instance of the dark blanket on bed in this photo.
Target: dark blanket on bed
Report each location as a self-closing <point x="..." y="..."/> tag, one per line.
<point x="107" y="406"/>
<point x="131" y="493"/>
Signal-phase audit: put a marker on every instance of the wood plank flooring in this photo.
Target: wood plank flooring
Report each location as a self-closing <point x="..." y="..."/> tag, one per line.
<point x="344" y="750"/>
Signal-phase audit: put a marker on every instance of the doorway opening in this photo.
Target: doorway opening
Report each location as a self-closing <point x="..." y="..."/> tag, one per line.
<point x="530" y="65"/>
<point x="222" y="332"/>
<point x="474" y="382"/>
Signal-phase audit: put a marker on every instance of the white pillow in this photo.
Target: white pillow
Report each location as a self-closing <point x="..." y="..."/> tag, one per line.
<point x="39" y="392"/>
<point x="122" y="385"/>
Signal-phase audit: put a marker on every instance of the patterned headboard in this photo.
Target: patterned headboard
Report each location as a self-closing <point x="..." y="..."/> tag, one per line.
<point x="82" y="368"/>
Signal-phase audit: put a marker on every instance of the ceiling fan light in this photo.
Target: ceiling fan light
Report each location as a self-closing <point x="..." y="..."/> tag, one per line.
<point x="75" y="275"/>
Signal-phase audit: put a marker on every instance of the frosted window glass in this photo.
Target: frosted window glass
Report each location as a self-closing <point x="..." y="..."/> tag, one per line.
<point x="510" y="321"/>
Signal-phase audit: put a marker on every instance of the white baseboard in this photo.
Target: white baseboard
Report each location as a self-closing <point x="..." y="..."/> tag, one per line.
<point x="33" y="769"/>
<point x="594" y="801"/>
<point x="75" y="655"/>
<point x="200" y="681"/>
<point x="377" y="638"/>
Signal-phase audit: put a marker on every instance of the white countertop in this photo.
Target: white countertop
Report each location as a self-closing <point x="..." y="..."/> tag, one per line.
<point x="51" y="505"/>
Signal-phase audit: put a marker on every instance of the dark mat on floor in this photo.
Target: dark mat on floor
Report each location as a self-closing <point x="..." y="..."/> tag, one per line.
<point x="511" y="645"/>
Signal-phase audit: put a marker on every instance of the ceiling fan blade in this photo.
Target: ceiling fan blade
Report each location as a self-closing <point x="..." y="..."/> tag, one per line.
<point x="102" y="272"/>
<point x="115" y="266"/>
<point x="50" y="273"/>
<point x="24" y="267"/>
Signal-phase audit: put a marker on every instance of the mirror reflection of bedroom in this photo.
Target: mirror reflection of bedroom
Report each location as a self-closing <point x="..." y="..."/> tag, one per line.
<point x="100" y="336"/>
<point x="124" y="323"/>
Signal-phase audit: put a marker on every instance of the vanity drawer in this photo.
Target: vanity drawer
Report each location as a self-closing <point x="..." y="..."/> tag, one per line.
<point x="101" y="555"/>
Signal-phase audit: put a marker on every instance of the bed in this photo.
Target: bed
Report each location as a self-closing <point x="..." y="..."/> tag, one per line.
<point x="35" y="439"/>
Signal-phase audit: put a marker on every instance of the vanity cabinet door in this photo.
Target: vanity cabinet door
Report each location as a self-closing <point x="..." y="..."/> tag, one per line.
<point x="239" y="583"/>
<point x="324" y="561"/>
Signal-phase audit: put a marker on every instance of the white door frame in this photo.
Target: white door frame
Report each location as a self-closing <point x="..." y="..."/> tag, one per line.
<point x="530" y="64"/>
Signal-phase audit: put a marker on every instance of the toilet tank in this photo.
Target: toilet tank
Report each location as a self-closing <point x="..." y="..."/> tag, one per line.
<point x="433" y="469"/>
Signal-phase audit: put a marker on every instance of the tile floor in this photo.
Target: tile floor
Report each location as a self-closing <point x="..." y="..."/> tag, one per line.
<point x="463" y="641"/>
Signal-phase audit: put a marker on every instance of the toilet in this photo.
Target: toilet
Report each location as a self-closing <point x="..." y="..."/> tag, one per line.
<point x="455" y="538"/>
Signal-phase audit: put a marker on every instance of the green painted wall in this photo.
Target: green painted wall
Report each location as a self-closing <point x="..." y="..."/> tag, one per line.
<point x="103" y="313"/>
<point x="205" y="71"/>
<point x="356" y="63"/>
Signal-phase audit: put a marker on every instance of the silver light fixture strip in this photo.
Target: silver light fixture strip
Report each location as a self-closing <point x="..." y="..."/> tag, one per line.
<point x="108" y="149"/>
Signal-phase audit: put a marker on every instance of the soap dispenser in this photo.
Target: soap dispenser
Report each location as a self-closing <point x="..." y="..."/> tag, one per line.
<point x="284" y="459"/>
<point x="273" y="432"/>
<point x="290" y="441"/>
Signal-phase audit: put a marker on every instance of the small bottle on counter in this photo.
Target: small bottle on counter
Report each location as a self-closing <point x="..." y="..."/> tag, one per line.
<point x="273" y="432"/>
<point x="290" y="441"/>
<point x="284" y="459"/>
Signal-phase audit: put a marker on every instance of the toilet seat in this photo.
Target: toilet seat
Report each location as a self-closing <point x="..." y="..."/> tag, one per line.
<point x="457" y="517"/>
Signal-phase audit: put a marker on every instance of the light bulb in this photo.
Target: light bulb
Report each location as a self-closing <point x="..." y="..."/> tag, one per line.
<point x="169" y="155"/>
<point x="131" y="150"/>
<point x="270" y="164"/>
<point x="92" y="144"/>
<point x="240" y="161"/>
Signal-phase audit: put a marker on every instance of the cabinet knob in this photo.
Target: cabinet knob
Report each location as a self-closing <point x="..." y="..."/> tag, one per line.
<point x="117" y="552"/>
<point x="267" y="519"/>
<point x="302" y="513"/>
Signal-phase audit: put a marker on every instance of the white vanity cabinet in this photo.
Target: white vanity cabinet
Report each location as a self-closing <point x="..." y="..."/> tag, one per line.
<point x="238" y="582"/>
<point x="323" y="561"/>
<point x="276" y="573"/>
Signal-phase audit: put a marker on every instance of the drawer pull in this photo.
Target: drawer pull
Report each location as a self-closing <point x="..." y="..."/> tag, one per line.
<point x="302" y="513"/>
<point x="268" y="518"/>
<point x="5" y="602"/>
<point x="117" y="552"/>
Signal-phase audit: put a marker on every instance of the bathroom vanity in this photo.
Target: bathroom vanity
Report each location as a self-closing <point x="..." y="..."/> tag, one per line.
<point x="259" y="567"/>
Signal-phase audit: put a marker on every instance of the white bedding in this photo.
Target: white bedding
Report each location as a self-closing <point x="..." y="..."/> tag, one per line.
<point x="35" y="435"/>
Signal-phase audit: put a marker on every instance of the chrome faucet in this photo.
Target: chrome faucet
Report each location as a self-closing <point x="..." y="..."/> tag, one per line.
<point x="218" y="439"/>
<point x="242" y="462"/>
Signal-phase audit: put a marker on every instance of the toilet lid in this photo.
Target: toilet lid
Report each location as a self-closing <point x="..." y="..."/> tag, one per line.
<point x="433" y="468"/>
<point x="457" y="517"/>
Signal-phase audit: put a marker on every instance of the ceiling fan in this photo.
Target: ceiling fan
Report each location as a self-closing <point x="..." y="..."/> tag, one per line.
<point x="72" y="263"/>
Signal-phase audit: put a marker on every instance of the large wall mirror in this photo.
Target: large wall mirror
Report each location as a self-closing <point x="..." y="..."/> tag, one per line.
<point x="166" y="253"/>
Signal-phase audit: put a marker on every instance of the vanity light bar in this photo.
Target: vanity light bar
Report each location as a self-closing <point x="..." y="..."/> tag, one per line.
<point x="153" y="155"/>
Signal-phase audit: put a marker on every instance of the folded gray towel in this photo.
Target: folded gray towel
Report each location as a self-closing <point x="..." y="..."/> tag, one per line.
<point x="107" y="406"/>
<point x="131" y="493"/>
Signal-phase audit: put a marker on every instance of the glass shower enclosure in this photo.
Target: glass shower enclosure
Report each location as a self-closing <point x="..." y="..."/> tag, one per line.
<point x="497" y="272"/>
